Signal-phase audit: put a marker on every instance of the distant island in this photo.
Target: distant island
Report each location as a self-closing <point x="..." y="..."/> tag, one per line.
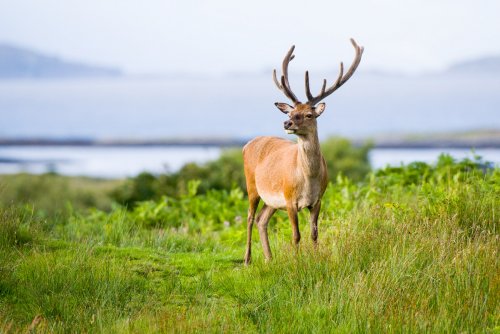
<point x="17" y="62"/>
<point x="22" y="62"/>
<point x="469" y="139"/>
<point x="488" y="65"/>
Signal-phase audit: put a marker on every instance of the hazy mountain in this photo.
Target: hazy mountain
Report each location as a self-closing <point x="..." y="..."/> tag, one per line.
<point x="485" y="65"/>
<point x="16" y="62"/>
<point x="241" y="105"/>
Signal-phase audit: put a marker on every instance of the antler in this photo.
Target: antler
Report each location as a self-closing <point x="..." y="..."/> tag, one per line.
<point x="285" y="85"/>
<point x="341" y="79"/>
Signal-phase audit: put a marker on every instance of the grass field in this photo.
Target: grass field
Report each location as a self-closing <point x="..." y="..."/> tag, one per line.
<point x="410" y="249"/>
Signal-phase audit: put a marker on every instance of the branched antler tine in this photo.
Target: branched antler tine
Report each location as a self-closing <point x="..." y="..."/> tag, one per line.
<point x="323" y="88"/>
<point x="331" y="89"/>
<point x="289" y="56"/>
<point x="341" y="79"/>
<point x="308" y="90"/>
<point x="283" y="84"/>
<point x="341" y="74"/>
<point x="355" y="63"/>
<point x="287" y="90"/>
<point x="276" y="80"/>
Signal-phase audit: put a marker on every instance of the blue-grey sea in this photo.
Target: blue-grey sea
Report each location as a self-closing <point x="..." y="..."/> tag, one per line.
<point x="119" y="162"/>
<point x="237" y="106"/>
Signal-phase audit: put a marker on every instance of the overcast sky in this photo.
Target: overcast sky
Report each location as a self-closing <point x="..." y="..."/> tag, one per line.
<point x="246" y="36"/>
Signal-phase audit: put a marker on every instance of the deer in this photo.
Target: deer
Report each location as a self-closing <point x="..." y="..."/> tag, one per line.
<point x="290" y="175"/>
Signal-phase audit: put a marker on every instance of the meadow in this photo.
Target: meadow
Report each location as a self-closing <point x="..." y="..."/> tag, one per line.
<point x="403" y="249"/>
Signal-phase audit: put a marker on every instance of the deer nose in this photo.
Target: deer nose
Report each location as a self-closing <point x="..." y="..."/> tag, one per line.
<point x="288" y="124"/>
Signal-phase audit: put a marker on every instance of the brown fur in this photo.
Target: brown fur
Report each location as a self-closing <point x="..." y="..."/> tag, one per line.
<point x="288" y="175"/>
<point x="285" y="175"/>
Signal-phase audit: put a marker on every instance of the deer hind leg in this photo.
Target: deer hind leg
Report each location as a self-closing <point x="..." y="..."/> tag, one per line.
<point x="253" y="201"/>
<point x="262" y="221"/>
<point x="313" y="219"/>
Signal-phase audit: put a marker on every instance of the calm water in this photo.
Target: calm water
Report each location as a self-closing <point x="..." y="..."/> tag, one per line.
<point x="229" y="107"/>
<point x="123" y="162"/>
<point x="101" y="161"/>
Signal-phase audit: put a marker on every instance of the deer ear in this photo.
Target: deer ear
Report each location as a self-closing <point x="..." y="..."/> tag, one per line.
<point x="319" y="109"/>
<point x="285" y="108"/>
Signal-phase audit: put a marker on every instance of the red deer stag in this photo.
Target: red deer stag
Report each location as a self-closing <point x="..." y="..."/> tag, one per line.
<point x="288" y="175"/>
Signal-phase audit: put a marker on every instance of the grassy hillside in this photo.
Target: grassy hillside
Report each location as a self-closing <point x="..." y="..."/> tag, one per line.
<point x="53" y="195"/>
<point x="410" y="249"/>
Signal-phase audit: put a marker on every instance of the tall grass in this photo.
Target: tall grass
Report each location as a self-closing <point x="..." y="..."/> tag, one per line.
<point x="56" y="195"/>
<point x="410" y="249"/>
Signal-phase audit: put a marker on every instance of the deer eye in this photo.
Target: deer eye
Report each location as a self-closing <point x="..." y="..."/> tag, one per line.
<point x="309" y="116"/>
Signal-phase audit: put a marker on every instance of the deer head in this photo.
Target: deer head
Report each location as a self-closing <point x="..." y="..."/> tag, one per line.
<point x="302" y="116"/>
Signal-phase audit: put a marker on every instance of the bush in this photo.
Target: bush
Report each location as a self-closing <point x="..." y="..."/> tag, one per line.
<point x="226" y="173"/>
<point x="140" y="188"/>
<point x="342" y="157"/>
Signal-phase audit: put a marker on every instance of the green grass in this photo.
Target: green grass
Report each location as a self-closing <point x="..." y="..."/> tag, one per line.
<point x="411" y="249"/>
<point x="56" y="195"/>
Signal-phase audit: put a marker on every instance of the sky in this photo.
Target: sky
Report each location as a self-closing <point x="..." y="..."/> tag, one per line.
<point x="227" y="36"/>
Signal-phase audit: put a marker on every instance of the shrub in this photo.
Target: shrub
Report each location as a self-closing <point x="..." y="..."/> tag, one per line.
<point x="226" y="173"/>
<point x="342" y="157"/>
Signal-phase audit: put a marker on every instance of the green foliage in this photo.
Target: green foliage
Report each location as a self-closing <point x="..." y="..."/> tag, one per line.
<point x="226" y="173"/>
<point x="199" y="213"/>
<point x="69" y="290"/>
<point x="342" y="157"/>
<point x="55" y="195"/>
<point x="445" y="168"/>
<point x="17" y="227"/>
<point x="409" y="249"/>
<point x="140" y="188"/>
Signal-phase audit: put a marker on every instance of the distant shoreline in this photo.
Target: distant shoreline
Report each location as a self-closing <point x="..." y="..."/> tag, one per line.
<point x="392" y="143"/>
<point x="125" y="143"/>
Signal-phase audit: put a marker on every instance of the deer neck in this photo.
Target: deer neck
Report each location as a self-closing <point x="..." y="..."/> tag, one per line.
<point x="309" y="154"/>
